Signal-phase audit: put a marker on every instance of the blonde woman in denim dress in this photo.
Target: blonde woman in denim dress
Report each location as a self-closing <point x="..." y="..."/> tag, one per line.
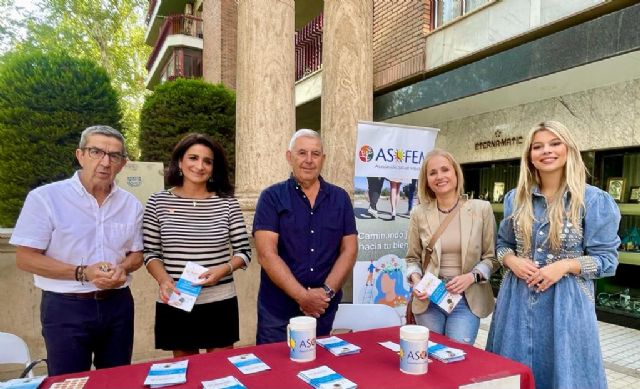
<point x="558" y="235"/>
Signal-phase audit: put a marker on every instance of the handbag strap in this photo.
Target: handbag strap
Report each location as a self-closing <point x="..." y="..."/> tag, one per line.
<point x="443" y="226"/>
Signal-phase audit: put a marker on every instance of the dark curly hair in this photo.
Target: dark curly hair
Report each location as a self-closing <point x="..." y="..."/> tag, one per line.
<point x="221" y="184"/>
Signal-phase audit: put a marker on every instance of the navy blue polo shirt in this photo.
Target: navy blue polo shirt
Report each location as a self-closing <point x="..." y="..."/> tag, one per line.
<point x="309" y="238"/>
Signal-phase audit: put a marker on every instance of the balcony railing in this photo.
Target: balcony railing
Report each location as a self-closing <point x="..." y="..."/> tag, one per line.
<point x="309" y="48"/>
<point x="152" y="6"/>
<point x="173" y="25"/>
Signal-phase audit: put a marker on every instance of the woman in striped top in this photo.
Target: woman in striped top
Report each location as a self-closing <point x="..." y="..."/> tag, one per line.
<point x="197" y="220"/>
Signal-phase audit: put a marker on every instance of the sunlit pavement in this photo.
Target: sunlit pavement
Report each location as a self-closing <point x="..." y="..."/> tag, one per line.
<point x="620" y="349"/>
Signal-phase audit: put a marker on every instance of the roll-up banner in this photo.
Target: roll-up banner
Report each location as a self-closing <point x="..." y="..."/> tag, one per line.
<point x="387" y="165"/>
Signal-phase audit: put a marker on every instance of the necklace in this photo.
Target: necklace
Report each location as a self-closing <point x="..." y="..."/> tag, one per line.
<point x="450" y="209"/>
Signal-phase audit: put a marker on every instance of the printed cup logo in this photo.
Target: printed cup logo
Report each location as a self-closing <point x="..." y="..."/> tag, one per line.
<point x="366" y="153"/>
<point x="413" y="349"/>
<point x="301" y="338"/>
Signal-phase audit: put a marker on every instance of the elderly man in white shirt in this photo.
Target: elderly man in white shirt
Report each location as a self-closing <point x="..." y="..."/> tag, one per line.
<point x="81" y="238"/>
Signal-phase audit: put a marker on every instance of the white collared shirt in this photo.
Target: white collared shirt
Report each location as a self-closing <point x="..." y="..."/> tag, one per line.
<point x="64" y="220"/>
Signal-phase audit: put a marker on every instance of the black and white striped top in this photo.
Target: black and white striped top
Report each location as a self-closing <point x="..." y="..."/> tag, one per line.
<point x="205" y="231"/>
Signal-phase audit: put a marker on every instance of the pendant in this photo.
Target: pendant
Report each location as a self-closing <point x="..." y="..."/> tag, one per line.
<point x="194" y="203"/>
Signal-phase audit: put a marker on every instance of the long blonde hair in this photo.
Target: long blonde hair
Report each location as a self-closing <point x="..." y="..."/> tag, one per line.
<point x="425" y="194"/>
<point x="574" y="177"/>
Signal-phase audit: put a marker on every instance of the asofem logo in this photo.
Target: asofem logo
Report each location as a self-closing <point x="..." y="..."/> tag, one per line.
<point x="367" y="154"/>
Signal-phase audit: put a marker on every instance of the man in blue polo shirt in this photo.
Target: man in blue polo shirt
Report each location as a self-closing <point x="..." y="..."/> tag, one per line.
<point x="305" y="233"/>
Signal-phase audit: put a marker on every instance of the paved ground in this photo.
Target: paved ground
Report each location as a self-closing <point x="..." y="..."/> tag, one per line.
<point x="620" y="350"/>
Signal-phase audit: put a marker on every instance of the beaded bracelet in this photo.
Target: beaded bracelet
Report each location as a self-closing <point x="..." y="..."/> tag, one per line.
<point x="81" y="275"/>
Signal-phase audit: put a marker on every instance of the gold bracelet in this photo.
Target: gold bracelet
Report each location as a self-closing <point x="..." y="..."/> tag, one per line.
<point x="230" y="268"/>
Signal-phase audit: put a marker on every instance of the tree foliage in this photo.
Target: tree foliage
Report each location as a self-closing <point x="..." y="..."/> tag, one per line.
<point x="182" y="106"/>
<point x="109" y="32"/>
<point x="46" y="100"/>
<point x="13" y="20"/>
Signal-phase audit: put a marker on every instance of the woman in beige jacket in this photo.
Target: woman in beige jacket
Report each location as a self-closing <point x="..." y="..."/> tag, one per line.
<point x="464" y="255"/>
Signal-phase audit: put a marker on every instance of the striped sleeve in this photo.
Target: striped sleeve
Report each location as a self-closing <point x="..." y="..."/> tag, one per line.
<point x="238" y="236"/>
<point x="151" y="232"/>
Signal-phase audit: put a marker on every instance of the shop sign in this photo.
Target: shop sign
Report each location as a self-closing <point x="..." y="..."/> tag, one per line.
<point x="500" y="140"/>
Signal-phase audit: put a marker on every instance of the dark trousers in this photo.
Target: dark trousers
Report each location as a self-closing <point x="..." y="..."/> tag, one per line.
<point x="375" y="187"/>
<point x="272" y="329"/>
<point x="78" y="331"/>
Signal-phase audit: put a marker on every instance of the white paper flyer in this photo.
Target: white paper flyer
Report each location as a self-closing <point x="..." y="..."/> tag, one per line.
<point x="188" y="291"/>
<point x="437" y="292"/>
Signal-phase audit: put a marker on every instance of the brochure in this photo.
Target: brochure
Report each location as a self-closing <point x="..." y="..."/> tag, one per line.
<point x="23" y="383"/>
<point x="395" y="347"/>
<point x="228" y="382"/>
<point x="435" y="289"/>
<point x="188" y="292"/>
<point x="248" y="363"/>
<point x="165" y="374"/>
<point x="444" y="353"/>
<point x="324" y="377"/>
<point x="337" y="346"/>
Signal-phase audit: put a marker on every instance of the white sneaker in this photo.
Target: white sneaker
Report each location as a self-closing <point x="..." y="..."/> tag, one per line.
<point x="372" y="212"/>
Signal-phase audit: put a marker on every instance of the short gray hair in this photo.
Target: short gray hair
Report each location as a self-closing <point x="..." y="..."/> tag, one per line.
<point x="101" y="130"/>
<point x="305" y="132"/>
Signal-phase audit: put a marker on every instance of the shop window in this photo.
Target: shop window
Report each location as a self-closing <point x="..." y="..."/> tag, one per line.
<point x="618" y="297"/>
<point x="447" y="10"/>
<point x="490" y="181"/>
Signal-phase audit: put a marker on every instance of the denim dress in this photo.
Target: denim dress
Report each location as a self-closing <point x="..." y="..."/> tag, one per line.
<point x="555" y="332"/>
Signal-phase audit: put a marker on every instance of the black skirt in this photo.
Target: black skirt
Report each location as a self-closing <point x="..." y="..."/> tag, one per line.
<point x="209" y="325"/>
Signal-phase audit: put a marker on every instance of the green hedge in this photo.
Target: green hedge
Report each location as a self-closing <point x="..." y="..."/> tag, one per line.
<point x="46" y="100"/>
<point x="182" y="106"/>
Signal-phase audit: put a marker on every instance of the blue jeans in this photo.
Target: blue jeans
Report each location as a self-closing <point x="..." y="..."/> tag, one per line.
<point x="80" y="331"/>
<point x="460" y="325"/>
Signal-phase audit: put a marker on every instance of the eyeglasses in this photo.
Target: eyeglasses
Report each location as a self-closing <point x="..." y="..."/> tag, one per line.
<point x="96" y="153"/>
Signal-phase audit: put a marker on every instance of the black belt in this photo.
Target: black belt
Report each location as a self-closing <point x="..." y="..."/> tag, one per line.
<point x="101" y="294"/>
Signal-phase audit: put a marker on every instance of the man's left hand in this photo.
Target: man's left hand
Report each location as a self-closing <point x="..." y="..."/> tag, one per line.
<point x="315" y="302"/>
<point x="111" y="278"/>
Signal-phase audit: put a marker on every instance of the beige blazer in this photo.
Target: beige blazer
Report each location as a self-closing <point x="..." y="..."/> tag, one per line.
<point x="477" y="240"/>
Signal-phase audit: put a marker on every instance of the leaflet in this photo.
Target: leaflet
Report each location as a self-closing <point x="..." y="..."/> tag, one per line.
<point x="188" y="291"/>
<point x="165" y="374"/>
<point x="444" y="353"/>
<point x="248" y="363"/>
<point x="437" y="292"/>
<point x="337" y="346"/>
<point x="395" y="347"/>
<point x="229" y="382"/>
<point x="324" y="377"/>
<point x="23" y="383"/>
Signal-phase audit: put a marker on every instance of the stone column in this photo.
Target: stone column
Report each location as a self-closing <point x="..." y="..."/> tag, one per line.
<point x="265" y="120"/>
<point x="347" y="83"/>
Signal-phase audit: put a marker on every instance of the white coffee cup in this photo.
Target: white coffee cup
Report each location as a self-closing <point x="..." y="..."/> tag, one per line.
<point x="414" y="341"/>
<point x="301" y="338"/>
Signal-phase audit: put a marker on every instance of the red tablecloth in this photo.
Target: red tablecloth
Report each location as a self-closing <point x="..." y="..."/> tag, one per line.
<point x="374" y="367"/>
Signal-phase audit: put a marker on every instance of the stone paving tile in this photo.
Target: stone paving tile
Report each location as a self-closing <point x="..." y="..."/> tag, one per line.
<point x="620" y="351"/>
